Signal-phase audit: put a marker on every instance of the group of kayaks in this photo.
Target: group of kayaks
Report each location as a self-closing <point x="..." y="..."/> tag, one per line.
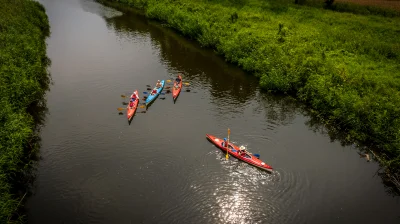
<point x="231" y="149"/>
<point x="134" y="98"/>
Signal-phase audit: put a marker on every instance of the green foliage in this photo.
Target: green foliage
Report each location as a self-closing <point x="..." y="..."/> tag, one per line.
<point x="345" y="66"/>
<point x="23" y="80"/>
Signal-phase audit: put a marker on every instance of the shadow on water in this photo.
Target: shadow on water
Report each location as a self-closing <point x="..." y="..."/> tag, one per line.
<point x="391" y="181"/>
<point x="238" y="85"/>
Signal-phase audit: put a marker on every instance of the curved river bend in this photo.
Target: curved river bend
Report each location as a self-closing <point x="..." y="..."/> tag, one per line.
<point x="96" y="168"/>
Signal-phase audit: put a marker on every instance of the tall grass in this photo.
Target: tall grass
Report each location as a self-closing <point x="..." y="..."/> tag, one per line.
<point x="23" y="81"/>
<point x="346" y="67"/>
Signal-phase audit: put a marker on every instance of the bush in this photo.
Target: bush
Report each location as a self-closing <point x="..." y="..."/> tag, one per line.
<point x="23" y="81"/>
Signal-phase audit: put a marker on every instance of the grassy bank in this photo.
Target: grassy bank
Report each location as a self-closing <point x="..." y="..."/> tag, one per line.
<point x="23" y="81"/>
<point x="345" y="66"/>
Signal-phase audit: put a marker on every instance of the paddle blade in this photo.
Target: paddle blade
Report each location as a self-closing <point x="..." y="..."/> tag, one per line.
<point x="120" y="113"/>
<point x="124" y="103"/>
<point x="256" y="155"/>
<point x="227" y="156"/>
<point x="169" y="80"/>
<point x="168" y="87"/>
<point x="142" y="106"/>
<point x="148" y="85"/>
<point x="188" y="90"/>
<point x="186" y="83"/>
<point x="148" y="88"/>
<point x="123" y="96"/>
<point x="162" y="93"/>
<point x="121" y="109"/>
<point x="144" y="92"/>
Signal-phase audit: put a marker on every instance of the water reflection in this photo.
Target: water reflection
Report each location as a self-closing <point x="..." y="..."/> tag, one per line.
<point x="201" y="66"/>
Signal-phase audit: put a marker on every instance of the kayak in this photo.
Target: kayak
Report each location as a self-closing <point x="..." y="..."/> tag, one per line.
<point x="153" y="96"/>
<point x="234" y="151"/>
<point x="131" y="109"/>
<point x="176" y="88"/>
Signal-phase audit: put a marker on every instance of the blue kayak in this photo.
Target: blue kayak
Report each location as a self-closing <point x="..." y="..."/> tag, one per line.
<point x="152" y="96"/>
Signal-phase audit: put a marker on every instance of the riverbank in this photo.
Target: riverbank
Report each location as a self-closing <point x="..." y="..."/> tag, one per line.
<point x="23" y="81"/>
<point x="344" y="66"/>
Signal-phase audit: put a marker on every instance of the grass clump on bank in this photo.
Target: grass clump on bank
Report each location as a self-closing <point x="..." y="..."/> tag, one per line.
<point x="23" y="81"/>
<point x="345" y="66"/>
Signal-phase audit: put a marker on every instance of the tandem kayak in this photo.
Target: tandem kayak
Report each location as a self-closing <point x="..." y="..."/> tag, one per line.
<point x="152" y="96"/>
<point x="234" y="151"/>
<point x="177" y="88"/>
<point x="132" y="106"/>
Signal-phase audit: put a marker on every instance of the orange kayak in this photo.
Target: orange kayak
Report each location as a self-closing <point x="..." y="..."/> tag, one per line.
<point x="176" y="89"/>
<point x="235" y="152"/>
<point x="132" y="106"/>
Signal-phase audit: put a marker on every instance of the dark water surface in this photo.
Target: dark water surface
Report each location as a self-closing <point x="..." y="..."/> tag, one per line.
<point x="96" y="168"/>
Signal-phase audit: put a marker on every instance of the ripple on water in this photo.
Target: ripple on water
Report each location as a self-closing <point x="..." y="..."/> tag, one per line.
<point x="239" y="193"/>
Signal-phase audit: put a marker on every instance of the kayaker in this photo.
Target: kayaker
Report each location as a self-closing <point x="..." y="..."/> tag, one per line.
<point x="177" y="80"/>
<point x="158" y="84"/>
<point x="153" y="92"/>
<point x="131" y="104"/>
<point x="242" y="150"/>
<point x="224" y="143"/>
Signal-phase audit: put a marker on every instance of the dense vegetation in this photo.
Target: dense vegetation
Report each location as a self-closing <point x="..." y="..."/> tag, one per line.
<point x="346" y="66"/>
<point x="23" y="81"/>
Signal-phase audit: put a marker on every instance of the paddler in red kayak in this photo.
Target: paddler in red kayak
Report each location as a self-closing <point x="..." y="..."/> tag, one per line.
<point x="132" y="101"/>
<point x="242" y="151"/>
<point x="224" y="143"/>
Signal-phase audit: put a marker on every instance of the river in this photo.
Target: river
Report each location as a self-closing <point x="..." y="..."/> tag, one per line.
<point x="98" y="168"/>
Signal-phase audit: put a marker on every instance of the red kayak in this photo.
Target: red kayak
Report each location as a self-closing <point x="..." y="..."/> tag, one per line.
<point x="132" y="106"/>
<point x="244" y="156"/>
<point x="176" y="89"/>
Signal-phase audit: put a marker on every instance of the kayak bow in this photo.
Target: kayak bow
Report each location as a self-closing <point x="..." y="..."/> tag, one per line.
<point x="234" y="151"/>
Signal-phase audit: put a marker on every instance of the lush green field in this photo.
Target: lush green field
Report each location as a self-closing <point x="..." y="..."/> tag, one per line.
<point x="345" y="66"/>
<point x="23" y="81"/>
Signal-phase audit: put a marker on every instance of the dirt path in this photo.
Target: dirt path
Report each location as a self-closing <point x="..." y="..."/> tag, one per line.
<point x="393" y="4"/>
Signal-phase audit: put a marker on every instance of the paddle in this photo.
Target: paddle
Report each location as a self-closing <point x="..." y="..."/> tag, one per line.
<point x="227" y="146"/>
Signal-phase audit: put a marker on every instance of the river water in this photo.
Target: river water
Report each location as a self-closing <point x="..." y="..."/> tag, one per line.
<point x="98" y="168"/>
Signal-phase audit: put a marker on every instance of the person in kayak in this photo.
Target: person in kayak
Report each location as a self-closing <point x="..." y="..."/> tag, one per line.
<point x="177" y="80"/>
<point x="242" y="151"/>
<point x="158" y="85"/>
<point x="224" y="143"/>
<point x="131" y="104"/>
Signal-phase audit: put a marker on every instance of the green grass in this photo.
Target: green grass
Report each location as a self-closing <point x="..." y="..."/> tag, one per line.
<point x="23" y="82"/>
<point x="345" y="66"/>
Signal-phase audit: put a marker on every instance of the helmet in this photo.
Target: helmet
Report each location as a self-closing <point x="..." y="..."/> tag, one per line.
<point x="224" y="139"/>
